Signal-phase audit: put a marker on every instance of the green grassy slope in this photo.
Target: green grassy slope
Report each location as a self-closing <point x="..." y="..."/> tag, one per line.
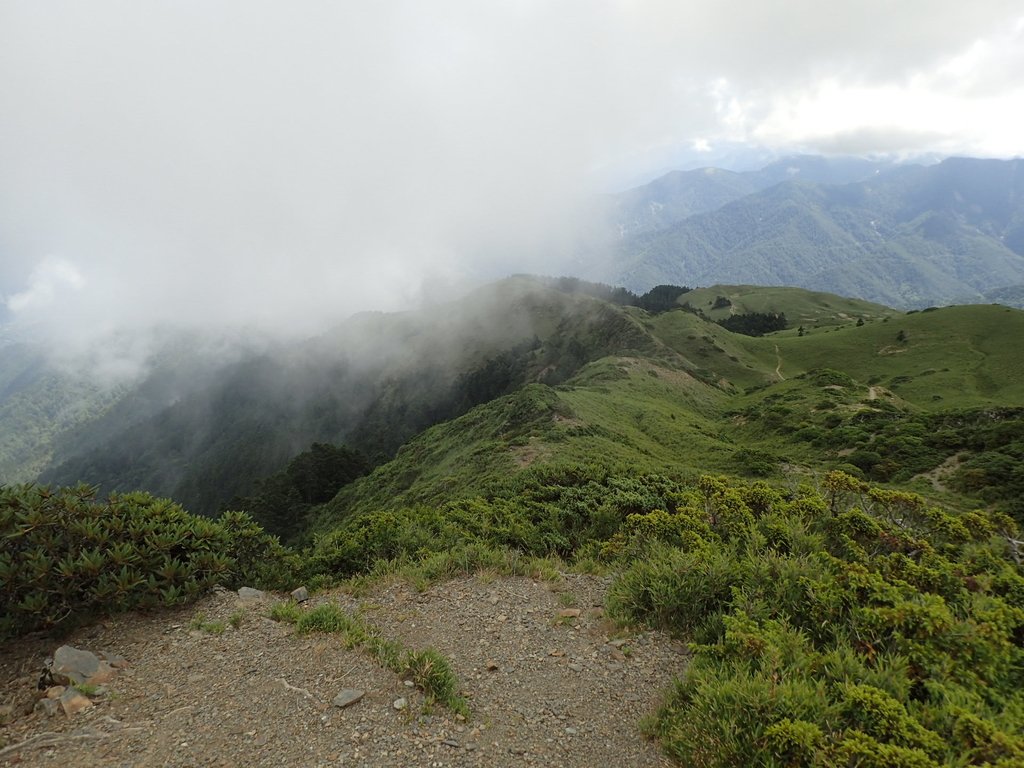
<point x="954" y="356"/>
<point x="701" y="398"/>
<point x="801" y="306"/>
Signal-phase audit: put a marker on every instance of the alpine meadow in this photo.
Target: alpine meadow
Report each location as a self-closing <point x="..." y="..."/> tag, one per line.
<point x="514" y="385"/>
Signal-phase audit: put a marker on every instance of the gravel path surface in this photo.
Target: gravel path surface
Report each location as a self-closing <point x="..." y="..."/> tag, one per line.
<point x="546" y="686"/>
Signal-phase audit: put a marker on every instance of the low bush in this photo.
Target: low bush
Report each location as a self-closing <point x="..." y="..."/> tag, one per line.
<point x="68" y="557"/>
<point x="857" y="627"/>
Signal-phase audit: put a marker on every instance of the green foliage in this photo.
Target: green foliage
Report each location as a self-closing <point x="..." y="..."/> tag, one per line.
<point x="68" y="557"/>
<point x="327" y="618"/>
<point x="756" y="463"/>
<point x="280" y="502"/>
<point x="432" y="673"/>
<point x="754" y="323"/>
<point x="287" y="612"/>
<point x="859" y="627"/>
<point x="661" y="298"/>
<point x="201" y="623"/>
<point x="543" y="511"/>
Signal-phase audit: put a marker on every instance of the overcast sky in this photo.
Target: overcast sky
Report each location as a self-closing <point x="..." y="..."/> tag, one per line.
<point x="276" y="164"/>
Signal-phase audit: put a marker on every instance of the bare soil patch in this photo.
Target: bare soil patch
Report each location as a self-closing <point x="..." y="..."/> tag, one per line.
<point x="546" y="686"/>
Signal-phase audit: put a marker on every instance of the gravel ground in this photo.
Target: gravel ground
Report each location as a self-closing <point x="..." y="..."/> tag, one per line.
<point x="544" y="688"/>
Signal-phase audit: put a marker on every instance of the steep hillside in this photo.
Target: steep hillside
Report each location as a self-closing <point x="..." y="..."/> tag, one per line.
<point x="39" y="405"/>
<point x="373" y="383"/>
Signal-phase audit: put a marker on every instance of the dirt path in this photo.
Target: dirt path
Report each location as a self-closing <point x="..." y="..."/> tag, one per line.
<point x="939" y="477"/>
<point x="778" y="367"/>
<point x="543" y="690"/>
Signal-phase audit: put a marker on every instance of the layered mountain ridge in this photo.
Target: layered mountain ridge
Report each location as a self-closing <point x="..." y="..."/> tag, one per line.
<point x="906" y="236"/>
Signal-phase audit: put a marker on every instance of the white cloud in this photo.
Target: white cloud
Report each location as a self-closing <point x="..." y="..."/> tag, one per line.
<point x="280" y="164"/>
<point x="49" y="283"/>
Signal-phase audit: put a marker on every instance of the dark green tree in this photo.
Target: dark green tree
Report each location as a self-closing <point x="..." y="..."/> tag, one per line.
<point x="281" y="501"/>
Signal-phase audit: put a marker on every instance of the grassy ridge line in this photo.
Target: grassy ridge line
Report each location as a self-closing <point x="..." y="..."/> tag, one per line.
<point x="802" y="307"/>
<point x="968" y="355"/>
<point x="627" y="412"/>
<point x="676" y="412"/>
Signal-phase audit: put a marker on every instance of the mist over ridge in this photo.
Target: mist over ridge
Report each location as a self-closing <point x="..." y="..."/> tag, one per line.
<point x="252" y="166"/>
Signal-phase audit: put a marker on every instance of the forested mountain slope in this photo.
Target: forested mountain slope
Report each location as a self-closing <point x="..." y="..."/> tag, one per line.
<point x="908" y="237"/>
<point x="372" y="383"/>
<point x="602" y="380"/>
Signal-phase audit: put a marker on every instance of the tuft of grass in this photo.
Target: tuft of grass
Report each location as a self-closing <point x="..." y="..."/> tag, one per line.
<point x="287" y="612"/>
<point x="214" y="627"/>
<point x="432" y="673"/>
<point x="567" y="599"/>
<point x="87" y="689"/>
<point x="547" y="569"/>
<point x="236" y="619"/>
<point x="326" y="618"/>
<point x="388" y="653"/>
<point x="429" y="670"/>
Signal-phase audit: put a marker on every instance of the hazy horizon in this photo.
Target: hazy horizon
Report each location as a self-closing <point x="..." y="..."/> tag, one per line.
<point x="257" y="165"/>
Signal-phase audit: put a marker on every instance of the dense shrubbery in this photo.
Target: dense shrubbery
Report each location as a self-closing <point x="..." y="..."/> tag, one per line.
<point x="847" y="626"/>
<point x="68" y="557"/>
<point x="994" y="440"/>
<point x="841" y="626"/>
<point x="542" y="511"/>
<point x="858" y="627"/>
<point x="755" y="323"/>
<point x="893" y="443"/>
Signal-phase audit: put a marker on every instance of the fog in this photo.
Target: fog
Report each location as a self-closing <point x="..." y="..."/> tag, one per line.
<point x="278" y="166"/>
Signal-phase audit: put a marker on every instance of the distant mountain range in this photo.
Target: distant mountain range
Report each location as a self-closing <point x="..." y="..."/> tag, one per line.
<point x="903" y="235"/>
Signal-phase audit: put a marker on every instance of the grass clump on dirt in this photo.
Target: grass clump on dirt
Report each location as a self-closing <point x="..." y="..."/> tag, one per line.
<point x="428" y="669"/>
<point x="213" y="627"/>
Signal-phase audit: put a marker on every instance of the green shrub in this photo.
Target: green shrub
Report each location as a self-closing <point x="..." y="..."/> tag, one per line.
<point x="861" y="627"/>
<point x="68" y="557"/>
<point x="328" y="618"/>
<point x="793" y="742"/>
<point x="201" y="623"/>
<point x="432" y="673"/>
<point x="287" y="612"/>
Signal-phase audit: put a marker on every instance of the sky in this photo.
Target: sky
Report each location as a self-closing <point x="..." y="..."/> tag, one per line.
<point x="281" y="165"/>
